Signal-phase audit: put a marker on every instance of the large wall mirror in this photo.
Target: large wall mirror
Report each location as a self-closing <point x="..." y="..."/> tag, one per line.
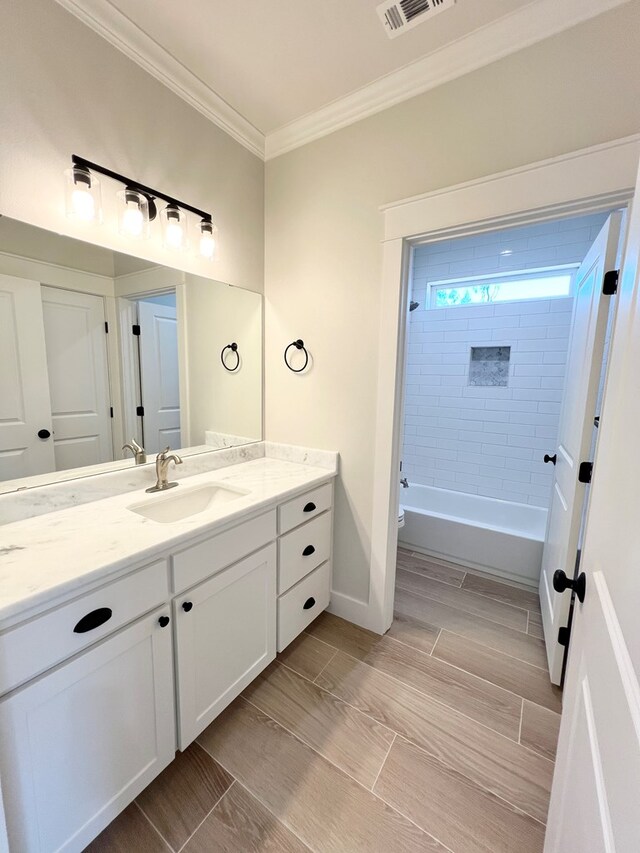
<point x="98" y="348"/>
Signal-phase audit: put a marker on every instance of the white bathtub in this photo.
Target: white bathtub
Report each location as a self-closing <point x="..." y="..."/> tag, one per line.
<point x="498" y="537"/>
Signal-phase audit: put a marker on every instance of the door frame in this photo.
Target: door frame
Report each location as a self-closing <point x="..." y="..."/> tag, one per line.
<point x="581" y="182"/>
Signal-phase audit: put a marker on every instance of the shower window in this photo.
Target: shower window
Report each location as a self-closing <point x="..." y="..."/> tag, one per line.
<point x="547" y="283"/>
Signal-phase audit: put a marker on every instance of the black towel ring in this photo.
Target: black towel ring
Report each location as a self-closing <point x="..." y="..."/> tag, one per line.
<point x="299" y="345"/>
<point x="234" y="348"/>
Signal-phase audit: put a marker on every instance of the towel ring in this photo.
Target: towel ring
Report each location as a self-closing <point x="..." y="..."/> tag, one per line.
<point x="234" y="348"/>
<point x="299" y="345"/>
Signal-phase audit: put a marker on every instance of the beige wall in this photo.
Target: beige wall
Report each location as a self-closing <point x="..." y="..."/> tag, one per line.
<point x="67" y="91"/>
<point x="323" y="229"/>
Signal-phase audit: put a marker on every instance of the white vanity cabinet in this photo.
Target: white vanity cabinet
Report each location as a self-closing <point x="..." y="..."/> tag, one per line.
<point x="80" y="742"/>
<point x="98" y="692"/>
<point x="225" y="630"/>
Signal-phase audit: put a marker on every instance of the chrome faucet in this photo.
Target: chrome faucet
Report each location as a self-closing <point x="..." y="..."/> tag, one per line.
<point x="162" y="470"/>
<point x="404" y="482"/>
<point x="139" y="453"/>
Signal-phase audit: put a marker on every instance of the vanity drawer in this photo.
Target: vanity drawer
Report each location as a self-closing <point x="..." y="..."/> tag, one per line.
<point x="43" y="642"/>
<point x="302" y="550"/>
<point x="199" y="562"/>
<point x="298" y="607"/>
<point x="303" y="508"/>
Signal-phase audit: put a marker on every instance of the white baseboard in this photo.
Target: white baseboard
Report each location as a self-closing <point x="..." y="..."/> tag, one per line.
<point x="352" y="609"/>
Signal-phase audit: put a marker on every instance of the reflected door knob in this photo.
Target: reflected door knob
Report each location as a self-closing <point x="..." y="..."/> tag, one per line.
<point x="548" y="458"/>
<point x="44" y="433"/>
<point x="561" y="582"/>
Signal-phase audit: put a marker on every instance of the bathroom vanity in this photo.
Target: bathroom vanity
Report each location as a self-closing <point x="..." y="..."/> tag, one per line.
<point x="128" y="624"/>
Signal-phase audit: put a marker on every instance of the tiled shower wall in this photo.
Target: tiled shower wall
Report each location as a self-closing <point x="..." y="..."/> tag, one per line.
<point x="489" y="440"/>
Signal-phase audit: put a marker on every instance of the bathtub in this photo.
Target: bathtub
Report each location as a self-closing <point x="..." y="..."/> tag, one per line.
<point x="494" y="536"/>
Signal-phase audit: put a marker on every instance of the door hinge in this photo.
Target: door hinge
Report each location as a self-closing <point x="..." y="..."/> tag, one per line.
<point x="610" y="282"/>
<point x="563" y="636"/>
<point x="584" y="472"/>
<point x="111" y="411"/>
<point x="106" y="328"/>
<point x="140" y="411"/>
<point x="135" y="329"/>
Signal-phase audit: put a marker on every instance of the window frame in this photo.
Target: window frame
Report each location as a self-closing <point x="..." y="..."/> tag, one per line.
<point x="515" y="275"/>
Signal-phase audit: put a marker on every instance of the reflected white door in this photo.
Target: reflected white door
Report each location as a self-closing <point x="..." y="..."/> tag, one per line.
<point x="24" y="385"/>
<point x="159" y="376"/>
<point x="596" y="786"/>
<point x="78" y="377"/>
<point x="584" y="363"/>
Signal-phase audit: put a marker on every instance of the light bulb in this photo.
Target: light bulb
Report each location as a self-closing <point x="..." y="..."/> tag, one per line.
<point x="83" y="204"/>
<point x="207" y="246"/>
<point x="133" y="220"/>
<point x="173" y="235"/>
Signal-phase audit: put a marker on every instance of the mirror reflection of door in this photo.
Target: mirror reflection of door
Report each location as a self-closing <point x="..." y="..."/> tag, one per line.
<point x="159" y="372"/>
<point x="54" y="385"/>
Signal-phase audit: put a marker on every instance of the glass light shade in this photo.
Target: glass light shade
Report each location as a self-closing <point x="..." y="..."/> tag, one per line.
<point x="174" y="228"/>
<point x="133" y="214"/>
<point x="82" y="195"/>
<point x="208" y="239"/>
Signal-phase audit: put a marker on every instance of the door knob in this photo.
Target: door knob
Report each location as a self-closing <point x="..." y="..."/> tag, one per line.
<point x="548" y="458"/>
<point x="562" y="582"/>
<point x="44" y="433"/>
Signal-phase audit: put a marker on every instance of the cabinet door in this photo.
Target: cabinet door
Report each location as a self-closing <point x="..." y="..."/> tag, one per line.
<point x="79" y="743"/>
<point x="225" y="632"/>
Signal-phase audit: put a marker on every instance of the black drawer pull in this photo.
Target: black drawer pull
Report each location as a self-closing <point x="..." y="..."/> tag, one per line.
<point x="187" y="605"/>
<point x="163" y="621"/>
<point x="309" y="507"/>
<point x="93" y="620"/>
<point x="308" y="551"/>
<point x="309" y="603"/>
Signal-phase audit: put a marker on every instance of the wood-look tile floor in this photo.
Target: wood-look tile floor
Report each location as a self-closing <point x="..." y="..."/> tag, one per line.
<point x="439" y="736"/>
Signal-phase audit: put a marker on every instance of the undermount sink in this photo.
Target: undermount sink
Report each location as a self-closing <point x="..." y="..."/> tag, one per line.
<point x="180" y="505"/>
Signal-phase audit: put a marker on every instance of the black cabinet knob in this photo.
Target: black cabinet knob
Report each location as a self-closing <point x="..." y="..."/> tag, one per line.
<point x="163" y="621"/>
<point x="308" y="551"/>
<point x="309" y="507"/>
<point x="548" y="458"/>
<point x="309" y="603"/>
<point x="187" y="606"/>
<point x="44" y="433"/>
<point x="579" y="585"/>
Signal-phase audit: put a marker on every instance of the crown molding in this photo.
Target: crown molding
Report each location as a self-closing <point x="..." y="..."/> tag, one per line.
<point x="522" y="28"/>
<point x="103" y="18"/>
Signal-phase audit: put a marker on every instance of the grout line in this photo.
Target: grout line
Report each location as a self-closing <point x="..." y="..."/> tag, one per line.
<point x="323" y="668"/>
<point x="218" y="801"/>
<point x="384" y="761"/>
<point x="521" y="719"/>
<point x="433" y="648"/>
<point x="314" y="637"/>
<point x="255" y="796"/>
<point x="151" y="824"/>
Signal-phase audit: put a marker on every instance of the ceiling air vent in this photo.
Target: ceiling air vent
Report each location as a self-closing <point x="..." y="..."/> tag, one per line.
<point x="398" y="16"/>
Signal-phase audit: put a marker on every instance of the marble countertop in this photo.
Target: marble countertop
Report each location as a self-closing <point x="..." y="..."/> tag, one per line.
<point x="53" y="557"/>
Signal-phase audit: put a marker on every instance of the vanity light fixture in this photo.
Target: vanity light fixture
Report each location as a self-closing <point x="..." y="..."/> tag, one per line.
<point x="82" y="194"/>
<point x="136" y="207"/>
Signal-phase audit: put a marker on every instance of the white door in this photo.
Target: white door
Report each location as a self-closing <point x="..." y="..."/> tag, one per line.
<point x="80" y="742"/>
<point x="159" y="376"/>
<point x="595" y="796"/>
<point x="24" y="385"/>
<point x="78" y="377"/>
<point x="219" y="652"/>
<point x="584" y="363"/>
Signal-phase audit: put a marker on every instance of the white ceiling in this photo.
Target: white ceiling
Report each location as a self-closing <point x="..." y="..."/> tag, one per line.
<point x="276" y="74"/>
<point x="277" y="60"/>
